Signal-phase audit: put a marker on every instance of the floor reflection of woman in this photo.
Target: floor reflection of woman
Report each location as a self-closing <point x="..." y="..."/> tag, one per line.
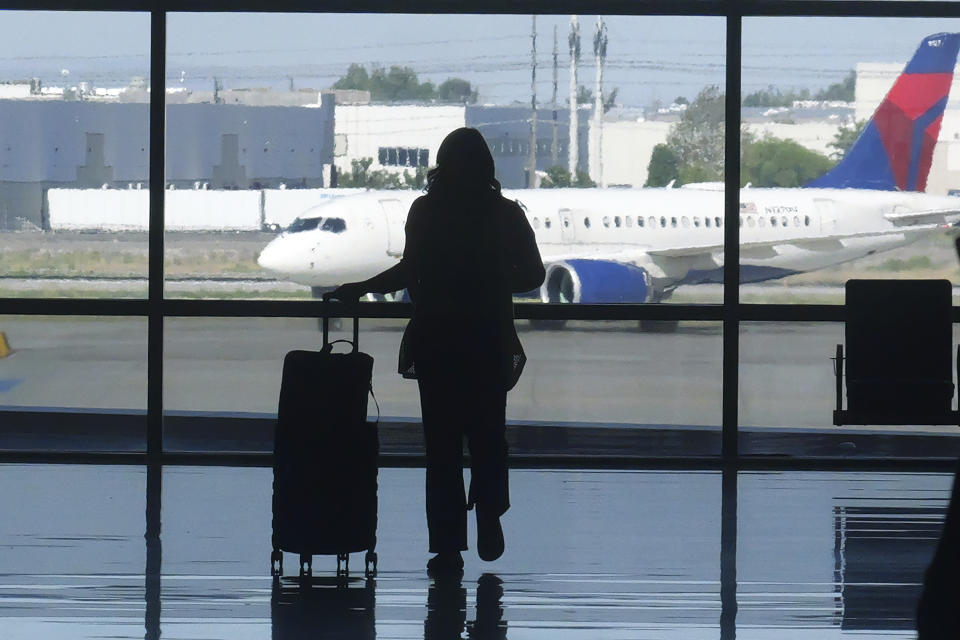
<point x="468" y="250"/>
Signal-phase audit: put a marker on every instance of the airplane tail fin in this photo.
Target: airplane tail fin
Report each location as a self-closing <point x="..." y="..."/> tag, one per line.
<point x="895" y="149"/>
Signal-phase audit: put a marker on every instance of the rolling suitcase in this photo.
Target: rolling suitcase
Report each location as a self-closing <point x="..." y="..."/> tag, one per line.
<point x="325" y="458"/>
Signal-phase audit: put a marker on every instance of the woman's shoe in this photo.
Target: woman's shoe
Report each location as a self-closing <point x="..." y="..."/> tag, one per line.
<point x="445" y="562"/>
<point x="489" y="535"/>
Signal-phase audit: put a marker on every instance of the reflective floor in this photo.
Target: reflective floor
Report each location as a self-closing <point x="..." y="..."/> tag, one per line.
<point x="590" y="554"/>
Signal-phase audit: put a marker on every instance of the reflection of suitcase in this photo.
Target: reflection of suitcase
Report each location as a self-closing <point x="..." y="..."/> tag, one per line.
<point x="317" y="608"/>
<point x="325" y="458"/>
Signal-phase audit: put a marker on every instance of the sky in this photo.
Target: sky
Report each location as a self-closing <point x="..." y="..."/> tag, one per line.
<point x="649" y="58"/>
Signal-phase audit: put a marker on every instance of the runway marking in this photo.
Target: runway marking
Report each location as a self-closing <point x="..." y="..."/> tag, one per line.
<point x="6" y="385"/>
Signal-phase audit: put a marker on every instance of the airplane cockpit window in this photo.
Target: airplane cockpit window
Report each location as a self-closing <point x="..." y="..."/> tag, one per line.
<point x="303" y="224"/>
<point x="334" y="225"/>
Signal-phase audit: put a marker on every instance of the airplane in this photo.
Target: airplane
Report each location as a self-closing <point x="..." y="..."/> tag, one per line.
<point x="639" y="245"/>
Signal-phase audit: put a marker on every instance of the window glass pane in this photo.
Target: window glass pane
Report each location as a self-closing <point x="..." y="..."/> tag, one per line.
<point x="74" y="153"/>
<point x="657" y="393"/>
<point x="74" y="557"/>
<point x="787" y="397"/>
<point x="833" y="553"/>
<point x="261" y="137"/>
<point x="57" y="369"/>
<point x="850" y="154"/>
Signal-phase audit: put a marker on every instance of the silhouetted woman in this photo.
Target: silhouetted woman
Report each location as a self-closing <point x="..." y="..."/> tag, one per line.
<point x="468" y="250"/>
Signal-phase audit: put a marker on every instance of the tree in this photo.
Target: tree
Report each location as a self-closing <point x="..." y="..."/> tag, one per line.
<point x="456" y="90"/>
<point x="361" y="176"/>
<point x="774" y="162"/>
<point x="844" y="139"/>
<point x="558" y="177"/>
<point x="843" y="90"/>
<point x="680" y="100"/>
<point x="698" y="138"/>
<point x="664" y="166"/>
<point x="401" y="84"/>
<point x="585" y="96"/>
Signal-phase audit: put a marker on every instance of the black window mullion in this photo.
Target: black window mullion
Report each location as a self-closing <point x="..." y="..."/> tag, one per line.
<point x="158" y="72"/>
<point x="731" y="236"/>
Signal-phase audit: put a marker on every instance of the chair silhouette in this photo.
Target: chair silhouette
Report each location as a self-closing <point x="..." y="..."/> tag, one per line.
<point x="898" y="337"/>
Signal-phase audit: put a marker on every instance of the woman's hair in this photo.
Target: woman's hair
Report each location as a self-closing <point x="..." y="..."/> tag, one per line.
<point x="464" y="163"/>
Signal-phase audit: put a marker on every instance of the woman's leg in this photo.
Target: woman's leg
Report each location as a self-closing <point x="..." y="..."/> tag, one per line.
<point x="446" y="504"/>
<point x="487" y="440"/>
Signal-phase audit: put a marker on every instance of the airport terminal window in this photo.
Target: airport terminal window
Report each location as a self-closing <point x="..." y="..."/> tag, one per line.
<point x="403" y="157"/>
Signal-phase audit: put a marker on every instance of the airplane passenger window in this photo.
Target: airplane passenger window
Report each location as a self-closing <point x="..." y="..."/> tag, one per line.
<point x="696" y="221"/>
<point x="566" y="222"/>
<point x="673" y="222"/>
<point x="806" y="221"/>
<point x="685" y="221"/>
<point x="784" y="222"/>
<point x="796" y="221"/>
<point x="706" y="222"/>
<point x="629" y="221"/>
<point x="741" y="221"/>
<point x="334" y="225"/>
<point x="773" y="221"/>
<point x="750" y="221"/>
<point x="663" y="221"/>
<point x="536" y="223"/>
<point x="718" y="222"/>
<point x="586" y="223"/>
<point x="547" y="223"/>
<point x="639" y="221"/>
<point x="303" y="224"/>
<point x="762" y="222"/>
<point x="606" y="221"/>
<point x="616" y="221"/>
<point x="651" y="221"/>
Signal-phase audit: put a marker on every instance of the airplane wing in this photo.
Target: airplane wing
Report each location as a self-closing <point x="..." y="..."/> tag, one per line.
<point x="801" y="242"/>
<point x="932" y="216"/>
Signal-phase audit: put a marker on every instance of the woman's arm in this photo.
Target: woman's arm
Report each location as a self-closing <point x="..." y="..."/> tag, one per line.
<point x="526" y="266"/>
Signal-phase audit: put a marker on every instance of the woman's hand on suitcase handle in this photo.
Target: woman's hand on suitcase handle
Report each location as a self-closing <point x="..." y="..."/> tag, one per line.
<point x="348" y="292"/>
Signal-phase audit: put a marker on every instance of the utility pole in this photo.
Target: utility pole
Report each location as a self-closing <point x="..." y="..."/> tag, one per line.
<point x="532" y="174"/>
<point x="573" y="147"/>
<point x="600" y="55"/>
<point x="554" y="146"/>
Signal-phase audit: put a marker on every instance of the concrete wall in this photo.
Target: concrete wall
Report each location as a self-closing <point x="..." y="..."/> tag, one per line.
<point x="626" y="148"/>
<point x="128" y="210"/>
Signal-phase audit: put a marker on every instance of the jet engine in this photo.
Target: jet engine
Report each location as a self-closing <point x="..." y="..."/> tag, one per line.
<point x="595" y="282"/>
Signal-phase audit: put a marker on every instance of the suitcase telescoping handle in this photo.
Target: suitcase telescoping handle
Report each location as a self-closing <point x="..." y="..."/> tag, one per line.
<point x="327" y="345"/>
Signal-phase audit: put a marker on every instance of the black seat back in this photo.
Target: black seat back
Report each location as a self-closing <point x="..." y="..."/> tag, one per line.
<point x="898" y="341"/>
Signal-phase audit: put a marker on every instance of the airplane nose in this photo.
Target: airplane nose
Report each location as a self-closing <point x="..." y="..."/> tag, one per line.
<point x="271" y="258"/>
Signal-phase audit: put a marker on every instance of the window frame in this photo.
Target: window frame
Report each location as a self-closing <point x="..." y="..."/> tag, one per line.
<point x="731" y="312"/>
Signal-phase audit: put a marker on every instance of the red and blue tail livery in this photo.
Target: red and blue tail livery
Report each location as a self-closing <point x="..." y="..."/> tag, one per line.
<point x="895" y="150"/>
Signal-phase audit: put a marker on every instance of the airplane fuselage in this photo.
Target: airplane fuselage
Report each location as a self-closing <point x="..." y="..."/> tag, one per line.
<point x="674" y="235"/>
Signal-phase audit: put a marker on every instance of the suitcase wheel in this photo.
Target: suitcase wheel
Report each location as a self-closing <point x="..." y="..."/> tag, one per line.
<point x="306" y="565"/>
<point x="276" y="563"/>
<point x="345" y="559"/>
<point x="370" y="562"/>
